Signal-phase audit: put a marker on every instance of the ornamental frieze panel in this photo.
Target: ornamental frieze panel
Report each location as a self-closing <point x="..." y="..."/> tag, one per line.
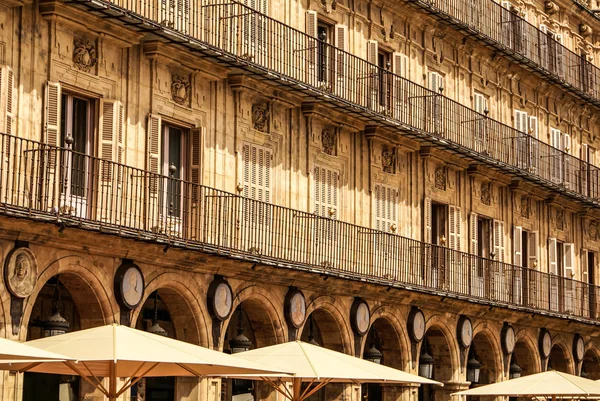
<point x="84" y="54"/>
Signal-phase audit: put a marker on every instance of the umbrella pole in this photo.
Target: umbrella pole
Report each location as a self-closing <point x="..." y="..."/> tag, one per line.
<point x="112" y="384"/>
<point x="296" y="388"/>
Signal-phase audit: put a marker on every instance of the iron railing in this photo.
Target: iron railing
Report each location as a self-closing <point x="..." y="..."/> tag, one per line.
<point x="239" y="36"/>
<point x="73" y="189"/>
<point x="507" y="30"/>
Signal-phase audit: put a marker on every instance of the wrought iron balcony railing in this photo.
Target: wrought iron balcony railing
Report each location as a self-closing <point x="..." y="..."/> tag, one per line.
<point x="239" y="36"/>
<point x="71" y="189"/>
<point x="507" y="30"/>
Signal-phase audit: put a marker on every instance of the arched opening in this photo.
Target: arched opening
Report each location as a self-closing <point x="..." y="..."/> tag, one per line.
<point x="558" y="360"/>
<point x="522" y="361"/>
<point x="382" y="346"/>
<point x="482" y="364"/>
<point x="165" y="312"/>
<point x="435" y="348"/>
<point x="322" y="329"/>
<point x="250" y="326"/>
<point x="65" y="303"/>
<point x="590" y="366"/>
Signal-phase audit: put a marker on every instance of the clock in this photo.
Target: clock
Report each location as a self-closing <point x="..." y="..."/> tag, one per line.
<point x="465" y="331"/>
<point x="129" y="285"/>
<point x="220" y="299"/>
<point x="360" y="316"/>
<point x="508" y="339"/>
<point x="545" y="343"/>
<point x="295" y="307"/>
<point x="416" y="325"/>
<point x="578" y="348"/>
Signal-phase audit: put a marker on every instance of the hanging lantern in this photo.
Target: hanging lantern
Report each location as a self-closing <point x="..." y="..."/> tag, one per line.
<point x="373" y="354"/>
<point x="155" y="328"/>
<point x="240" y="343"/>
<point x="55" y="324"/>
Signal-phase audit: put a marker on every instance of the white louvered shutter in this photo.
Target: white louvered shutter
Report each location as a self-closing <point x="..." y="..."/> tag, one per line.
<point x="154" y="141"/>
<point x="473" y="233"/>
<point x="386" y="207"/>
<point x="341" y="59"/>
<point x="543" y="46"/>
<point x="373" y="90"/>
<point x="560" y="55"/>
<point x="436" y="83"/>
<point x="454" y="227"/>
<point x="533" y="249"/>
<point x="427" y="220"/>
<point x="518" y="246"/>
<point x="6" y="100"/>
<point x="534" y="146"/>
<point x="567" y="162"/>
<point x="506" y="24"/>
<point x="499" y="240"/>
<point x="109" y="135"/>
<point x="311" y="48"/>
<point x="556" y="158"/>
<point x="257" y="182"/>
<point x="569" y="261"/>
<point x="552" y="256"/>
<point x="195" y="162"/>
<point x="400" y="87"/>
<point x="585" y="169"/>
<point x="52" y="135"/>
<point x="326" y="192"/>
<point x="480" y="105"/>
<point x="585" y="267"/>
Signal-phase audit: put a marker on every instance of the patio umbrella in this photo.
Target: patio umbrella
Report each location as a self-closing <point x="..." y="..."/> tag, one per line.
<point x="14" y="351"/>
<point x="319" y="366"/>
<point x="550" y="384"/>
<point x="118" y="351"/>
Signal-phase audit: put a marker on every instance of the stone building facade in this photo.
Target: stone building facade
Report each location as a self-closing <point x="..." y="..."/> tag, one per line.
<point x="435" y="161"/>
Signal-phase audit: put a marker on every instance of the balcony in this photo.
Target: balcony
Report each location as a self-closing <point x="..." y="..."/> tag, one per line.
<point x="506" y="30"/>
<point x="74" y="190"/>
<point x="241" y="38"/>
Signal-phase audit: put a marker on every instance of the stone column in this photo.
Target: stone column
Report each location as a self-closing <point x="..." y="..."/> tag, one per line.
<point x="399" y="392"/>
<point x="445" y="393"/>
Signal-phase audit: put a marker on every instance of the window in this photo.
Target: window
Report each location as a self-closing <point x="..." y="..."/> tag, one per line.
<point x="324" y="36"/>
<point x="257" y="184"/>
<point x="434" y="103"/>
<point x="589" y="173"/>
<point x="173" y="167"/>
<point x="513" y="28"/>
<point x="327" y="204"/>
<point x="525" y="256"/>
<point x="588" y="275"/>
<point x="526" y="146"/>
<point x="76" y="126"/>
<point x="400" y="93"/>
<point x="586" y="73"/>
<point x="480" y="105"/>
<point x="551" y="55"/>
<point x="384" y="62"/>
<point x="560" y="162"/>
<point x="561" y="259"/>
<point x="487" y="243"/>
<point x="386" y="207"/>
<point x="254" y="32"/>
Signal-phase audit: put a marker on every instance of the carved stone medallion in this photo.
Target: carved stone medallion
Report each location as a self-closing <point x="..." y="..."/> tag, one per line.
<point x="20" y="272"/>
<point x="388" y="161"/>
<point x="260" y="116"/>
<point x="486" y="193"/>
<point x="180" y="89"/>
<point x="440" y="179"/>
<point x="329" y="140"/>
<point x="84" y="55"/>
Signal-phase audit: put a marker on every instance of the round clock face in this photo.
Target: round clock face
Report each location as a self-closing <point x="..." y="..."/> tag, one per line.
<point x="579" y="348"/>
<point x="509" y="339"/>
<point x="132" y="286"/>
<point x="466" y="332"/>
<point x="297" y="311"/>
<point x="417" y="325"/>
<point x="363" y="317"/>
<point x="546" y="344"/>
<point x="222" y="301"/>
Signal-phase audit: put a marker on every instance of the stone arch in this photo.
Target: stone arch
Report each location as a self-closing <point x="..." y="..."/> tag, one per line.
<point x="591" y="361"/>
<point x="387" y="321"/>
<point x="91" y="292"/>
<point x="437" y="325"/>
<point x="561" y="358"/>
<point x="330" y="310"/>
<point x="264" y="315"/>
<point x="489" y="353"/>
<point x="178" y="295"/>
<point x="526" y="353"/>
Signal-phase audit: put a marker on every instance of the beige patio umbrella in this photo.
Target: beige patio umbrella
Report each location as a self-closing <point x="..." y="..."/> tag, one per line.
<point x="115" y="351"/>
<point x="14" y="352"/>
<point x="550" y="384"/>
<point x="319" y="366"/>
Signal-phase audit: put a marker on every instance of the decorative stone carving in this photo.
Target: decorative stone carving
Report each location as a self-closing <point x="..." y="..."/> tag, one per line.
<point x="180" y="89"/>
<point x="593" y="230"/>
<point x="329" y="141"/>
<point x="585" y="30"/>
<point x="84" y="55"/>
<point x="551" y="7"/>
<point x="20" y="272"/>
<point x="525" y="207"/>
<point x="260" y="116"/>
<point x="486" y="193"/>
<point x="388" y="161"/>
<point x="440" y="178"/>
<point x="560" y="219"/>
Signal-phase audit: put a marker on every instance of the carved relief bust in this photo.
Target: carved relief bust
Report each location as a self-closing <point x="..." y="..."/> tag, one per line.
<point x="84" y="55"/>
<point x="388" y="161"/>
<point x="260" y="116"/>
<point x="180" y="89"/>
<point x="560" y="219"/>
<point x="20" y="272"/>
<point x="525" y="207"/>
<point x="329" y="141"/>
<point x="486" y="193"/>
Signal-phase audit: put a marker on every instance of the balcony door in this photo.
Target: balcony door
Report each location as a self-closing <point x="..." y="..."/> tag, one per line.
<point x="327" y="208"/>
<point x="551" y="51"/>
<point x="525" y="260"/>
<point x="173" y="169"/>
<point x="77" y="115"/>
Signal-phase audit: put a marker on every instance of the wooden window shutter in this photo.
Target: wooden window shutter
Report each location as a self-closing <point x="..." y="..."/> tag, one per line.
<point x="585" y="266"/>
<point x="474" y="234"/>
<point x="327" y="184"/>
<point x="195" y="168"/>
<point x="533" y="249"/>
<point x="110" y="132"/>
<point x="518" y="246"/>
<point x="552" y="256"/>
<point x="311" y="31"/>
<point x="427" y="220"/>
<point x="454" y="227"/>
<point x="52" y="113"/>
<point x="154" y="143"/>
<point x="534" y="151"/>
<point x="341" y="60"/>
<point x="372" y="51"/>
<point x="378" y="207"/>
<point x="6" y="97"/>
<point x="569" y="261"/>
<point x="386" y="206"/>
<point x="499" y="240"/>
<point x="120" y="136"/>
<point x="400" y="64"/>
